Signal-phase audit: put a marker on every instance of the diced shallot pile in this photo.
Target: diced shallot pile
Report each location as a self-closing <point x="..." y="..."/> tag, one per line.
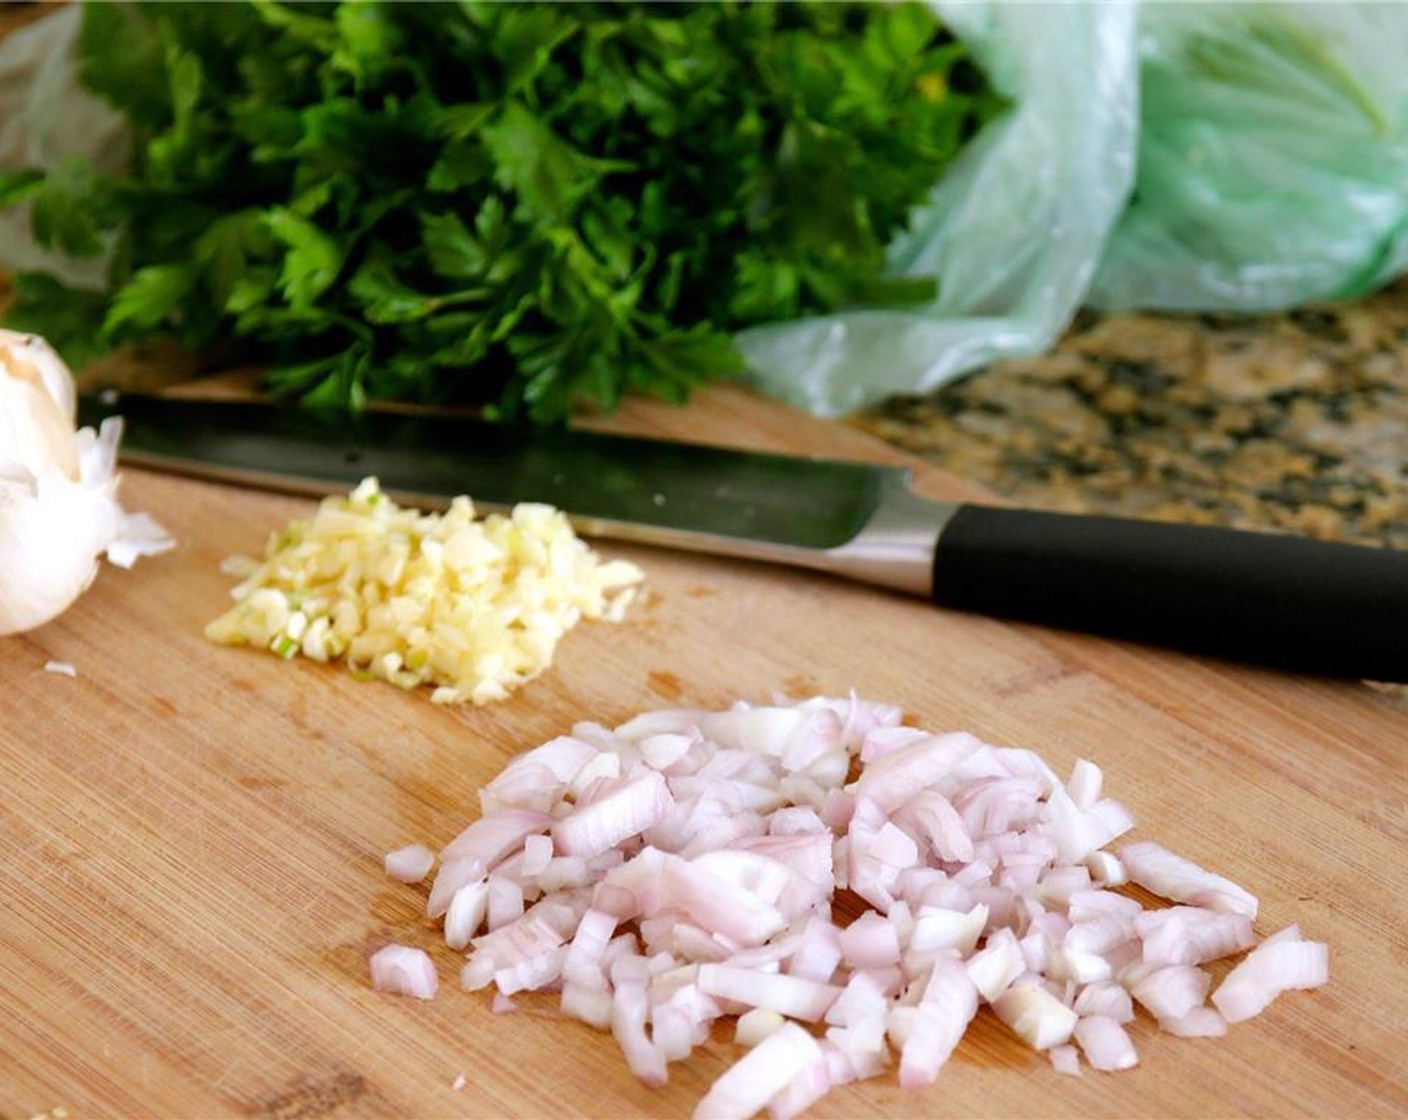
<point x="853" y="890"/>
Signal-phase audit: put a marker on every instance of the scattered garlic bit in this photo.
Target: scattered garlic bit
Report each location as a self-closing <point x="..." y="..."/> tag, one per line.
<point x="458" y="1083"/>
<point x="684" y="866"/>
<point x="473" y="606"/>
<point x="58" y="491"/>
<point x="241" y="567"/>
<point x="62" y="668"/>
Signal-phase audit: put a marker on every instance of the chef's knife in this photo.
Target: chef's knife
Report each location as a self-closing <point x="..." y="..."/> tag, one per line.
<point x="1288" y="601"/>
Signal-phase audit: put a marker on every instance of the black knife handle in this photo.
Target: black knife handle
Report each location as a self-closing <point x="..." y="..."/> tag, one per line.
<point x="1291" y="602"/>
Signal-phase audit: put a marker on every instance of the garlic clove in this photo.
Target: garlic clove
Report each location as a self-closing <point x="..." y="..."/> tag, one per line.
<point x="38" y="405"/>
<point x="34" y="432"/>
<point x="31" y="358"/>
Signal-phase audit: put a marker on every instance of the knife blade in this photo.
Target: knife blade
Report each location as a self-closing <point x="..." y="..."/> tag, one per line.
<point x="1275" y="599"/>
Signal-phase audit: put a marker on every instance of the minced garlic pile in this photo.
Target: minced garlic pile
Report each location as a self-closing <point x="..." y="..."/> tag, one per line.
<point x="473" y="606"/>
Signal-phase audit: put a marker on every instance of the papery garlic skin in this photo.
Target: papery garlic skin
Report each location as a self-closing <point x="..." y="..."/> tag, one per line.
<point x="58" y="491"/>
<point x="52" y="531"/>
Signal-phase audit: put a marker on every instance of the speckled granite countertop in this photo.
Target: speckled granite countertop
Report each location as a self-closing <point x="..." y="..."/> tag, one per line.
<point x="1296" y="421"/>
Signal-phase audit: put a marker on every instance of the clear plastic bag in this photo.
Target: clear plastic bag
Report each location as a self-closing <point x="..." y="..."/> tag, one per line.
<point x="1273" y="157"/>
<point x="1013" y="232"/>
<point x="45" y="116"/>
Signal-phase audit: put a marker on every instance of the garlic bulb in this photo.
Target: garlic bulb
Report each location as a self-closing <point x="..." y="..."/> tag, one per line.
<point x="58" y="490"/>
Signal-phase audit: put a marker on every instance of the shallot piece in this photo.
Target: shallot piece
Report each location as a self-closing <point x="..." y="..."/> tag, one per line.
<point x="1201" y="1022"/>
<point x="941" y="1017"/>
<point x="1036" y="1016"/>
<point x="762" y="1074"/>
<point x="1268" y="970"/>
<point x="1106" y="1045"/>
<point x="1155" y="868"/>
<point x="686" y="865"/>
<point x="410" y="864"/>
<point x="1065" y="1059"/>
<point x="756" y="1025"/>
<point x="404" y="971"/>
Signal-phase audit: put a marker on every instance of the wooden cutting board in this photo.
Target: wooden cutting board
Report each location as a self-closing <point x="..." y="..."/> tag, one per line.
<point x="191" y="837"/>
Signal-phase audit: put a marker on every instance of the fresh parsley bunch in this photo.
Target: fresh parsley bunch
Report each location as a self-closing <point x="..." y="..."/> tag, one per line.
<point x="537" y="205"/>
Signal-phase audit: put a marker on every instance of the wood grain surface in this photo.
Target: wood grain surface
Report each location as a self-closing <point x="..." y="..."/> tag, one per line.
<point x="191" y="837"/>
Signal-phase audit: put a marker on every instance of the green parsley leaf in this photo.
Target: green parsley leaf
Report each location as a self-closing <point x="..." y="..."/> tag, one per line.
<point x="451" y="250"/>
<point x="148" y="299"/>
<point x="67" y="209"/>
<point x="313" y="259"/>
<point x="16" y="186"/>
